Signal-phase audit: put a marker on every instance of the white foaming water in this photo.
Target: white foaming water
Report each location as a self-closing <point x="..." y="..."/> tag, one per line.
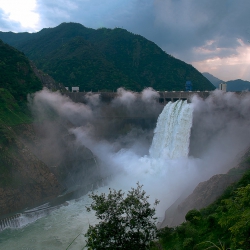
<point x="53" y="232"/>
<point x="161" y="173"/>
<point x="172" y="132"/>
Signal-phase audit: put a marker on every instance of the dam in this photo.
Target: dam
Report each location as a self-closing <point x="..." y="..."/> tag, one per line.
<point x="164" y="96"/>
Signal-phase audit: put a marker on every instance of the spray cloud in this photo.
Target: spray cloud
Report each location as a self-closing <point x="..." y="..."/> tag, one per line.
<point x="120" y="134"/>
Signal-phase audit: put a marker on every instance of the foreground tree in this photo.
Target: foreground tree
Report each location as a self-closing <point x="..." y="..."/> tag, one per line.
<point x="125" y="222"/>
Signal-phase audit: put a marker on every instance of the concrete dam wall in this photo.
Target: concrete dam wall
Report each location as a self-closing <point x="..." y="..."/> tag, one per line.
<point x="164" y="96"/>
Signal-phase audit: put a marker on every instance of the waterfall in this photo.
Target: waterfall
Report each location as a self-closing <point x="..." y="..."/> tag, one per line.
<point x="172" y="132"/>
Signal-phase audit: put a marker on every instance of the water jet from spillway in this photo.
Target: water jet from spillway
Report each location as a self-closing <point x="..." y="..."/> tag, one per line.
<point x="172" y="132"/>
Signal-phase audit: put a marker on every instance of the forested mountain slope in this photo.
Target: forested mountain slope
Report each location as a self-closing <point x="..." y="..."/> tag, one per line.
<point x="104" y="59"/>
<point x="17" y="76"/>
<point x="24" y="179"/>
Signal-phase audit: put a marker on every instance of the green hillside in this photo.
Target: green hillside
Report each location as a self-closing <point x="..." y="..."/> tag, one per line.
<point x="225" y="224"/>
<point x="16" y="74"/>
<point x="17" y="80"/>
<point x="10" y="112"/>
<point x="104" y="59"/>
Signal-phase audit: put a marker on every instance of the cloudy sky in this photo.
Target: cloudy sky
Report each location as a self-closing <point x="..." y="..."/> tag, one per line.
<point x="211" y="35"/>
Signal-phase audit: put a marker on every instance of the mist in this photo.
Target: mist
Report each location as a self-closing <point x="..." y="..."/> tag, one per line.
<point x="118" y="135"/>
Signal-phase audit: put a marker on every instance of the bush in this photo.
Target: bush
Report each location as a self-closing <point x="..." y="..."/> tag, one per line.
<point x="188" y="243"/>
<point x="193" y="216"/>
<point x="125" y="222"/>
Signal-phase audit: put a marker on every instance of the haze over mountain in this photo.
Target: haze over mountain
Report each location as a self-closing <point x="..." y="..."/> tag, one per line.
<point x="214" y="80"/>
<point x="238" y="85"/>
<point x="233" y="85"/>
<point x="104" y="59"/>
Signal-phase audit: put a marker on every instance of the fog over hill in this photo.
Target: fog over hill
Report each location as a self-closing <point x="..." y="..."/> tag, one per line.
<point x="238" y="85"/>
<point x="214" y="80"/>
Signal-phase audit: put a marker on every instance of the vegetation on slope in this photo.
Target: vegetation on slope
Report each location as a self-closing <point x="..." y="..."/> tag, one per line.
<point x="105" y="59"/>
<point x="11" y="114"/>
<point x="17" y="80"/>
<point x="16" y="73"/>
<point x="225" y="223"/>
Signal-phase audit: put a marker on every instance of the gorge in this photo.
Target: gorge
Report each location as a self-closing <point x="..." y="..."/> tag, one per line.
<point x="123" y="154"/>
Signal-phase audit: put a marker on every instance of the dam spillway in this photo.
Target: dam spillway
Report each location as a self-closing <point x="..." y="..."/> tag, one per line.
<point x="172" y="132"/>
<point x="164" y="96"/>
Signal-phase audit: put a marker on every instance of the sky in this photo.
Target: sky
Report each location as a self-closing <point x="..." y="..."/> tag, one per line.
<point x="211" y="35"/>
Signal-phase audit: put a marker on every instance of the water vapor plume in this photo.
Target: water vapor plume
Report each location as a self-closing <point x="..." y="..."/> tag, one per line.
<point x="70" y="132"/>
<point x="120" y="132"/>
<point x="221" y="127"/>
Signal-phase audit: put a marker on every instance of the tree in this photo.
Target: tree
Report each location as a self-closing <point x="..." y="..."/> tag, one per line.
<point x="193" y="216"/>
<point x="235" y="215"/>
<point x="125" y="222"/>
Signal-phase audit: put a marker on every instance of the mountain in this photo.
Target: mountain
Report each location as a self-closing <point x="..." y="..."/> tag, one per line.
<point x="214" y="80"/>
<point x="104" y="59"/>
<point x="31" y="172"/>
<point x="215" y="215"/>
<point x="238" y="85"/>
<point x="233" y="85"/>
<point x="16" y="73"/>
<point x="24" y="179"/>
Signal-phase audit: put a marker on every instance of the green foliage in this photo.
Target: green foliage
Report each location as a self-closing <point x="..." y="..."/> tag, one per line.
<point x="11" y="115"/>
<point x="188" y="243"/>
<point x="210" y="244"/>
<point x="234" y="214"/>
<point x="16" y="74"/>
<point x="17" y="80"/>
<point x="225" y="224"/>
<point x="10" y="112"/>
<point x="193" y="216"/>
<point x="125" y="222"/>
<point x="105" y="59"/>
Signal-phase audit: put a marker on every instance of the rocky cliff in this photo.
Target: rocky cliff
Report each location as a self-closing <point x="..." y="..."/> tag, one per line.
<point x="204" y="194"/>
<point x="28" y="181"/>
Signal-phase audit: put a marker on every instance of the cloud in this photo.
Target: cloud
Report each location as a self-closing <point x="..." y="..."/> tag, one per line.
<point x="189" y="25"/>
<point x="7" y="25"/>
<point x="237" y="65"/>
<point x="93" y="14"/>
<point x="20" y="16"/>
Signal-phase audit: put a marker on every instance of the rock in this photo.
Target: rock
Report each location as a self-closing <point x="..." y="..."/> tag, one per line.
<point x="31" y="182"/>
<point x="203" y="195"/>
